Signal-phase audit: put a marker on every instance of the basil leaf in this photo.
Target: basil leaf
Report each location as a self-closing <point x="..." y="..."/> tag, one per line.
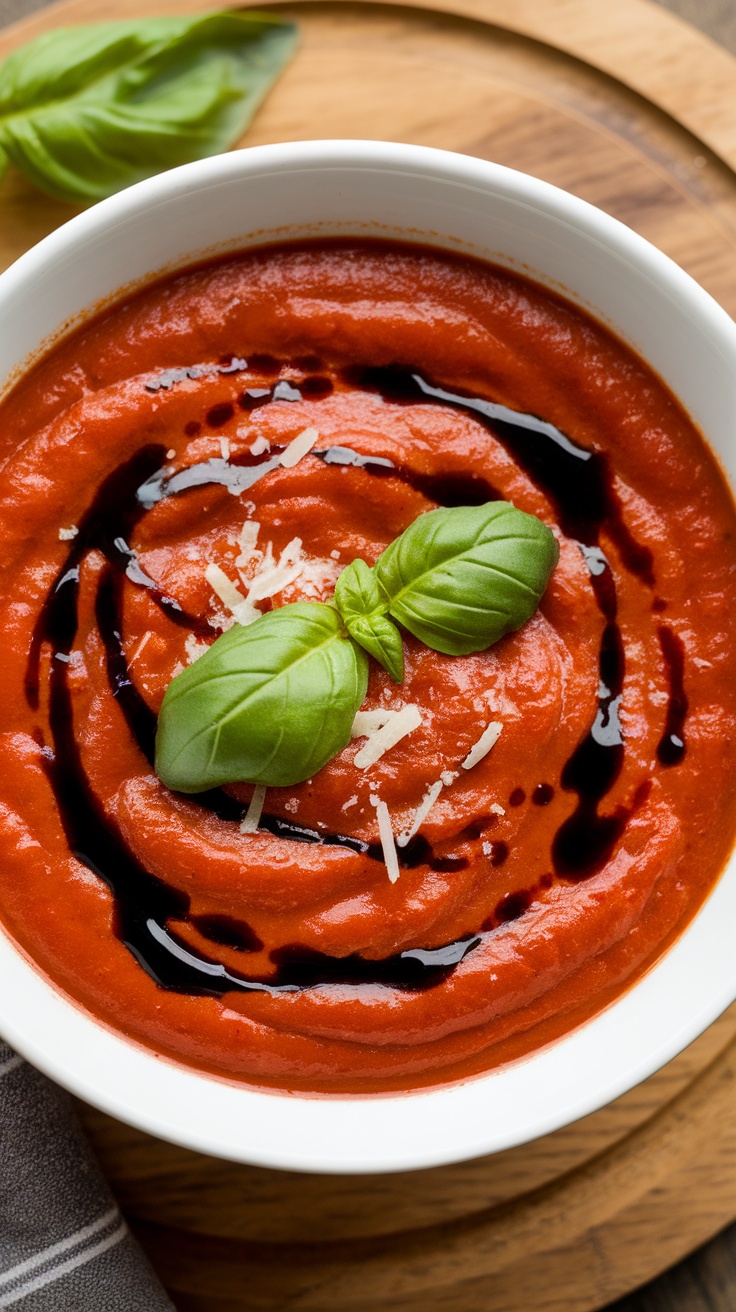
<point x="382" y="640"/>
<point x="270" y="703"/>
<point x="357" y="593"/>
<point x="87" y="110"/>
<point x="363" y="608"/>
<point x="460" y="578"/>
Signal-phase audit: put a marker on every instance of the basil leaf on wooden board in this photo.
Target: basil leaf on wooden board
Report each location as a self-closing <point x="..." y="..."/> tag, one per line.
<point x="363" y="608"/>
<point x="270" y="703"/>
<point x="460" y="578"/>
<point x="87" y="110"/>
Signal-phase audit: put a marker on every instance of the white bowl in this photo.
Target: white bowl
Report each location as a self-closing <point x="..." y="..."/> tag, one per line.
<point x="374" y="189"/>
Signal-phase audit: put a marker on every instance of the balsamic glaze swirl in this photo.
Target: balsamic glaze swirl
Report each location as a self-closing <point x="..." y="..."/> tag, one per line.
<point x="580" y="486"/>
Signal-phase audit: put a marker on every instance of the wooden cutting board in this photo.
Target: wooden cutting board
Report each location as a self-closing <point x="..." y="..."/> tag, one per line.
<point x="635" y="111"/>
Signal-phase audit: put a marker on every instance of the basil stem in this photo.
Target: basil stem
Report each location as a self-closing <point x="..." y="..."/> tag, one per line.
<point x="270" y="703"/>
<point x="460" y="578"/>
<point x="363" y="608"/>
<point x="87" y="110"/>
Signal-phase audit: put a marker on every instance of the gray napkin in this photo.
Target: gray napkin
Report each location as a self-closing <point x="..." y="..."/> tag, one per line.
<point x="64" y="1247"/>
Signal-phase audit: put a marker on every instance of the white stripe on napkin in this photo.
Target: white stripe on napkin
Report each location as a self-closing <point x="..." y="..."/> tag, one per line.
<point x="55" y="1250"/>
<point x="10" y="1065"/>
<point x="56" y="1272"/>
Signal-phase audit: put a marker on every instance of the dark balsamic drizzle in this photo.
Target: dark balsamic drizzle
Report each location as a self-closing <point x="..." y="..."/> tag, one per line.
<point x="227" y="932"/>
<point x="578" y="481"/>
<point x="584" y="841"/>
<point x="579" y="484"/>
<point x="671" y="747"/>
<point x="543" y="794"/>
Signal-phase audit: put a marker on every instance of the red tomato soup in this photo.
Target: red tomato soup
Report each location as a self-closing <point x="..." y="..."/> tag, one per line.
<point x="545" y="878"/>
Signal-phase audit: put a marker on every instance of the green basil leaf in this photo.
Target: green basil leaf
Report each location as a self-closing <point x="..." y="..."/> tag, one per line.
<point x="363" y="609"/>
<point x="357" y="593"/>
<point x="87" y="110"/>
<point x="460" y="578"/>
<point x="382" y="640"/>
<point x="270" y="703"/>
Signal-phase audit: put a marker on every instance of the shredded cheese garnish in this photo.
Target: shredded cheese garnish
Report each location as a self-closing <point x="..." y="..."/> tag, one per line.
<point x="421" y="813"/>
<point x="386" y="835"/>
<point x="252" y="818"/>
<point x="298" y="447"/>
<point x="247" y="539"/>
<point x="225" y="448"/>
<point x="368" y="722"/>
<point x="146" y="636"/>
<point x="272" y="576"/>
<point x="260" y="445"/>
<point x="401" y="723"/>
<point x="194" y="649"/>
<point x="68" y="534"/>
<point x="488" y="738"/>
<point x="223" y="587"/>
<point x="261" y="575"/>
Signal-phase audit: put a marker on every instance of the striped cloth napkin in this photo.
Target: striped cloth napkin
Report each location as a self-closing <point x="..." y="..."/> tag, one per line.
<point x="64" y="1247"/>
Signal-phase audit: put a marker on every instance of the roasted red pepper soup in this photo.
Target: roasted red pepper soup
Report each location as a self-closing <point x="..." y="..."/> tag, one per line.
<point x="542" y="880"/>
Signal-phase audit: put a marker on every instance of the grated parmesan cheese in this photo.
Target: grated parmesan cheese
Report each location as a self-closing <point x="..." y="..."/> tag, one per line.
<point x="272" y="576"/>
<point x="146" y="636"/>
<point x="298" y="447"/>
<point x="260" y="446"/>
<point x="262" y="576"/>
<point x="367" y="722"/>
<point x="488" y="738"/>
<point x="194" y="649"/>
<point x="350" y="802"/>
<point x="448" y="777"/>
<point x="252" y="818"/>
<point x="68" y="534"/>
<point x="386" y="835"/>
<point x="318" y="577"/>
<point x="247" y="539"/>
<point x="421" y="813"/>
<point x="225" y="448"/>
<point x="223" y="587"/>
<point x="495" y="809"/>
<point x="402" y="722"/>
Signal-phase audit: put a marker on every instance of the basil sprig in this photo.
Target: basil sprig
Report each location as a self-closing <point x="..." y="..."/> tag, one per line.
<point x="85" y="111"/>
<point x="273" y="702"/>
<point x="270" y="703"/>
<point x="363" y="608"/>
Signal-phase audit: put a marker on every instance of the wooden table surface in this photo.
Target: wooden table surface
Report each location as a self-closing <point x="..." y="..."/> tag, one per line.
<point x="706" y="1282"/>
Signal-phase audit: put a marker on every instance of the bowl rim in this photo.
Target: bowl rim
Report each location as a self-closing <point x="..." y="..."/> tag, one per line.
<point x="386" y="1132"/>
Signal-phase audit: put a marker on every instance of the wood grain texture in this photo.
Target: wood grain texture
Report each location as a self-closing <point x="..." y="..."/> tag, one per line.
<point x="555" y="1246"/>
<point x="633" y="111"/>
<point x="672" y="64"/>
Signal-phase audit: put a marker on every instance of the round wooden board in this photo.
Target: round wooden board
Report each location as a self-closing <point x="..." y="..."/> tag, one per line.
<point x="632" y="110"/>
